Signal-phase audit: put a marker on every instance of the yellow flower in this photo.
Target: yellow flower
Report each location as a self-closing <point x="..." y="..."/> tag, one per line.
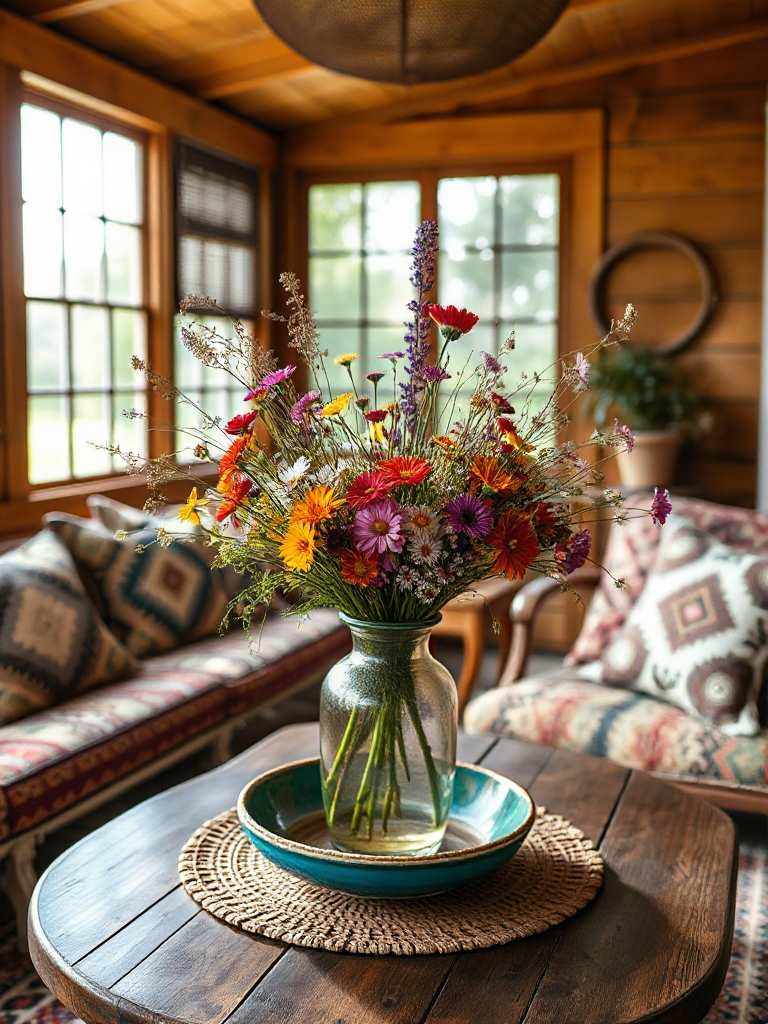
<point x="317" y="505"/>
<point x="188" y="513"/>
<point x="377" y="433"/>
<point x="346" y="359"/>
<point x="298" y="547"/>
<point x="338" y="404"/>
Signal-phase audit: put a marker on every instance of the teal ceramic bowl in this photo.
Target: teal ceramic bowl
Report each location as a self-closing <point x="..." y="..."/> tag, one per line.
<point x="282" y="814"/>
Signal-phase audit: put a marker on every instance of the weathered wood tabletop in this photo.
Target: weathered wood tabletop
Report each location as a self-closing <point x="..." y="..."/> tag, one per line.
<point x="117" y="939"/>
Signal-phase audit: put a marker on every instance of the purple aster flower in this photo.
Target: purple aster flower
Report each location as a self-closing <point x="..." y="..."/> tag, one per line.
<point x="276" y="377"/>
<point x="375" y="376"/>
<point x="469" y="514"/>
<point x="300" y="409"/>
<point x="574" y="553"/>
<point x="392" y="356"/>
<point x="626" y="433"/>
<point x="379" y="527"/>
<point x="582" y="367"/>
<point x="661" y="506"/>
<point x="432" y="374"/>
<point x="491" y="363"/>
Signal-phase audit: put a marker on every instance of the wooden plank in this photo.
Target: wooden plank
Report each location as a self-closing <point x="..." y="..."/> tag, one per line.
<point x="40" y="51"/>
<point x="670" y="276"/>
<point x="498" y="984"/>
<point x="120" y="954"/>
<point x="656" y="117"/>
<point x="676" y="886"/>
<point x="734" y="324"/>
<point x="731" y="375"/>
<point x="731" y="165"/>
<point x="734" y="431"/>
<point x="520" y="761"/>
<point x="73" y="9"/>
<point x="472" y="749"/>
<point x="709" y="220"/>
<point x="199" y="975"/>
<point x="310" y="986"/>
<point x="151" y="834"/>
<point x="729" y="481"/>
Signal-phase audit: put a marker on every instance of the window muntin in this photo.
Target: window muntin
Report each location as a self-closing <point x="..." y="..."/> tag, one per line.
<point x="360" y="237"/>
<point x="83" y="251"/>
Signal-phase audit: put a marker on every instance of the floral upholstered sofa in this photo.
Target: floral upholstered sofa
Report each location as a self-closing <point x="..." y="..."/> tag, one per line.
<point x="675" y="684"/>
<point x="112" y="668"/>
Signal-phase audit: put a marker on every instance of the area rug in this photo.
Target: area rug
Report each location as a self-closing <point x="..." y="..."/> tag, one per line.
<point x="744" y="999"/>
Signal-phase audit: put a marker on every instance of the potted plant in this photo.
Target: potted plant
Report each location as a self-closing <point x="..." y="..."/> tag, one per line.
<point x="657" y="403"/>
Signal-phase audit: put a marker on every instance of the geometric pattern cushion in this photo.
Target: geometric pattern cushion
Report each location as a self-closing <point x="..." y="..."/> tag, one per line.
<point x="697" y="636"/>
<point x="52" y="642"/>
<point x="631" y="553"/>
<point x="153" y="597"/>
<point x="633" y="729"/>
<point x="60" y="756"/>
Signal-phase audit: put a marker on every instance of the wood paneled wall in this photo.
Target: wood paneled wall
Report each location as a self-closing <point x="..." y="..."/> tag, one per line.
<point x="685" y="152"/>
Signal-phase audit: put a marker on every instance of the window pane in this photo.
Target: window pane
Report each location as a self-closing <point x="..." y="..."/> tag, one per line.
<point x="129" y="434"/>
<point x="391" y="215"/>
<point x="334" y="285"/>
<point x="334" y="217"/>
<point x="47" y="345"/>
<point x="468" y="282"/>
<point x="91" y="416"/>
<point x="529" y="285"/>
<point x="190" y="270"/>
<point x="122" y="179"/>
<point x="241" y="278"/>
<point x="214" y="270"/>
<point x="81" y="145"/>
<point x="124" y="282"/>
<point x="90" y="347"/>
<point x="129" y="338"/>
<point x="42" y="251"/>
<point x="48" y="438"/>
<point x="188" y="419"/>
<point x="40" y="156"/>
<point x="187" y="371"/>
<point x="384" y="339"/>
<point x="466" y="212"/>
<point x="535" y="350"/>
<point x="83" y="255"/>
<point x="241" y="212"/>
<point x="530" y="206"/>
<point x="389" y="288"/>
<point x="339" y="340"/>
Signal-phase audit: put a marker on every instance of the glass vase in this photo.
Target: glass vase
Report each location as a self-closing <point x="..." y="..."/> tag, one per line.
<point x="388" y="716"/>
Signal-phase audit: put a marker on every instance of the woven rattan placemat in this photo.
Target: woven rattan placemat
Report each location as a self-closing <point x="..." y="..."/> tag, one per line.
<point x="555" y="873"/>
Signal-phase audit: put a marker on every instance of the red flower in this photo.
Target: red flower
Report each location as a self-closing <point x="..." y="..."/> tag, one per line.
<point x="368" y="487"/>
<point x="502" y="405"/>
<point x="358" y="568"/>
<point x="515" y="543"/>
<point x="238" y="424"/>
<point x="405" y="469"/>
<point x="545" y="524"/>
<point x="454" y="322"/>
<point x="376" y="415"/>
<point x="236" y="492"/>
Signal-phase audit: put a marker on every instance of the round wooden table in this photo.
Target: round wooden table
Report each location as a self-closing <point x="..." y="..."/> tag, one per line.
<point x="117" y="939"/>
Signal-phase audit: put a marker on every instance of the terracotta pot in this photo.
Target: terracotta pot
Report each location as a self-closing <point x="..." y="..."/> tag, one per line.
<point x="652" y="461"/>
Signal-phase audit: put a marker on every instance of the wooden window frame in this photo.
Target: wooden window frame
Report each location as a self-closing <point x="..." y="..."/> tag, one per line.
<point x="62" y="71"/>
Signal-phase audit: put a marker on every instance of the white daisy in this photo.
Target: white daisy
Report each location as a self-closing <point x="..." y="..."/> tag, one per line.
<point x="422" y="521"/>
<point x="425" y="549"/>
<point x="291" y="475"/>
<point x="405" y="578"/>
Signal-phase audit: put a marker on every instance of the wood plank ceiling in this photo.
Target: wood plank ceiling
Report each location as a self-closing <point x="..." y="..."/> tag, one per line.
<point x="222" y="51"/>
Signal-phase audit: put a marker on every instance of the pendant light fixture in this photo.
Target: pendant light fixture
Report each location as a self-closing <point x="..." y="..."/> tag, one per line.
<point x="410" y="41"/>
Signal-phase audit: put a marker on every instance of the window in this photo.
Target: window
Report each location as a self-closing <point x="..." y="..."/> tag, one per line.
<point x="83" y="239"/>
<point x="499" y="257"/>
<point x="360" y="238"/>
<point x="216" y="256"/>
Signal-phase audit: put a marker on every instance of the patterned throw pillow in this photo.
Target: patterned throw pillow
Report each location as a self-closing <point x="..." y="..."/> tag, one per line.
<point x="53" y="644"/>
<point x="154" y="597"/>
<point x="698" y="635"/>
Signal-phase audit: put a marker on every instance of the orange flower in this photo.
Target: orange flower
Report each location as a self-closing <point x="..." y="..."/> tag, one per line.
<point x="317" y="505"/>
<point x="508" y="433"/>
<point x="228" y="467"/>
<point x="298" y="547"/>
<point x="515" y="543"/>
<point x="358" y="568"/>
<point x="234" y="493"/>
<point x="405" y="469"/>
<point x="486" y="470"/>
<point x="443" y="443"/>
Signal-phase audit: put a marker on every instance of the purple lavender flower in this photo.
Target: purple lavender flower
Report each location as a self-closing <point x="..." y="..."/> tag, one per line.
<point x="422" y="279"/>
<point x="300" y="409"/>
<point x="432" y="374"/>
<point x="469" y="514"/>
<point x="626" y="433"/>
<point x="378" y="527"/>
<point x="661" y="506"/>
<point x="491" y="363"/>
<point x="583" y="368"/>
<point x="574" y="553"/>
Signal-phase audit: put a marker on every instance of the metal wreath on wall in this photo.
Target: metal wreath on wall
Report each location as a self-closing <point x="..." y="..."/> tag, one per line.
<point x="669" y="240"/>
<point x="410" y="41"/>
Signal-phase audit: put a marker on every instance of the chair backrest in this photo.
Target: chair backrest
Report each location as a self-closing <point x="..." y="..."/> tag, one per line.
<point x="630" y="555"/>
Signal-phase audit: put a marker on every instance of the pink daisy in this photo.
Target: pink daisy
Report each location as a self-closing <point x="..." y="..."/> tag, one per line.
<point x="379" y="527"/>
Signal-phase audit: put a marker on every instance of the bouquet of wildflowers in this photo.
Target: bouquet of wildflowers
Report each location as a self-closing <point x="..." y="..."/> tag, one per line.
<point x="387" y="505"/>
